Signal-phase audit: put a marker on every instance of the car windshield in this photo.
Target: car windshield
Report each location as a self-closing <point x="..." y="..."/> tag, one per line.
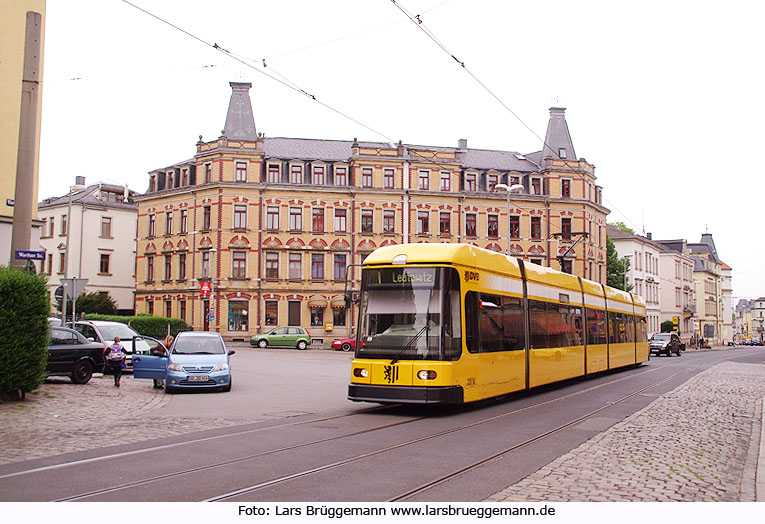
<point x="661" y="336"/>
<point x="109" y="331"/>
<point x="196" y="345"/>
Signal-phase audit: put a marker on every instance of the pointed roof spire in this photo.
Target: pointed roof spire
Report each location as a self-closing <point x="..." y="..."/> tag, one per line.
<point x="240" y="123"/>
<point x="558" y="142"/>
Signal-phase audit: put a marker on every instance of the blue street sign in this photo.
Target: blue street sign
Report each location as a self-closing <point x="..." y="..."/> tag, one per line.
<point x="29" y="255"/>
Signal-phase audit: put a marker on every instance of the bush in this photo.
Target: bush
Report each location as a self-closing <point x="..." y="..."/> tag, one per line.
<point x="24" y="306"/>
<point x="148" y="325"/>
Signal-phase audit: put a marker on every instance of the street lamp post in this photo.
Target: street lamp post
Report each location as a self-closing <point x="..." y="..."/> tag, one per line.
<point x="508" y="189"/>
<point x="213" y="251"/>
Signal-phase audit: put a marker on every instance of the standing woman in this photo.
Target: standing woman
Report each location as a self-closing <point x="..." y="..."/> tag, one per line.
<point x="160" y="351"/>
<point x="115" y="359"/>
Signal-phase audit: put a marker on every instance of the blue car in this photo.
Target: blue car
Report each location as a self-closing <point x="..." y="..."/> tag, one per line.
<point x="196" y="360"/>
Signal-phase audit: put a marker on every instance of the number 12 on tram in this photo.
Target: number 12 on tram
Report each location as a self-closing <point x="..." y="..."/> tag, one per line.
<point x="454" y="323"/>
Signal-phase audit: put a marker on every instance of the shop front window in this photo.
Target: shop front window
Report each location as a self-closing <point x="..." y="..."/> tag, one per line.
<point x="238" y="315"/>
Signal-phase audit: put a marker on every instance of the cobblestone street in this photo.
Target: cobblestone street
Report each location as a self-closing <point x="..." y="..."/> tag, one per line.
<point x="698" y="443"/>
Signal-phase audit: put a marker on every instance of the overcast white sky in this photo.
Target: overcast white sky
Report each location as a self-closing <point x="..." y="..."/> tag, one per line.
<point x="664" y="98"/>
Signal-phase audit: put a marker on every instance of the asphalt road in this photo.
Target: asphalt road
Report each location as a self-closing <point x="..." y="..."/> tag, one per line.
<point x="301" y="440"/>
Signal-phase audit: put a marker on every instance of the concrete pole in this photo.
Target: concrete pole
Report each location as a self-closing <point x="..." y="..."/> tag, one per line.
<point x="24" y="199"/>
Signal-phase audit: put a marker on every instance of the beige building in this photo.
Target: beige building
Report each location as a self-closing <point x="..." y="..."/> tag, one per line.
<point x="90" y="233"/>
<point x="13" y="24"/>
<point x="281" y="224"/>
<point x="708" y="284"/>
<point x="678" y="299"/>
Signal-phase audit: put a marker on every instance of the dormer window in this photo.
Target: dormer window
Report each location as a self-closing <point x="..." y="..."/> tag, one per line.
<point x="562" y="152"/>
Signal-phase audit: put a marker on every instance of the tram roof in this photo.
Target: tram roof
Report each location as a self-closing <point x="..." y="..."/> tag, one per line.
<point x="461" y="254"/>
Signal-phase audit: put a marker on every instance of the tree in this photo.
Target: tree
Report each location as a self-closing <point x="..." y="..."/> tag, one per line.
<point x="100" y="303"/>
<point x="667" y="326"/>
<point x="623" y="227"/>
<point x="616" y="268"/>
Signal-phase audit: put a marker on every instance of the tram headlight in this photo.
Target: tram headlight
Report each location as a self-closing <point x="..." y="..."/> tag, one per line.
<point x="360" y="372"/>
<point x="426" y="374"/>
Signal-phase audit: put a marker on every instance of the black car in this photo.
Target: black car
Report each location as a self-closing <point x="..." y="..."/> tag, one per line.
<point x="72" y="355"/>
<point x="666" y="343"/>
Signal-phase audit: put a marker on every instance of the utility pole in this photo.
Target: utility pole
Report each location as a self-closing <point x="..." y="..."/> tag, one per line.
<point x="24" y="199"/>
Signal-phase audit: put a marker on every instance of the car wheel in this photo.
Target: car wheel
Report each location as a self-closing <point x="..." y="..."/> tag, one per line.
<point x="302" y="344"/>
<point x="346" y="347"/>
<point x="262" y="344"/>
<point x="82" y="372"/>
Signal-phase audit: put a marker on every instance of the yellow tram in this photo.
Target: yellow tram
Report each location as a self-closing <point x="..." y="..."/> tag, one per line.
<point x="455" y="323"/>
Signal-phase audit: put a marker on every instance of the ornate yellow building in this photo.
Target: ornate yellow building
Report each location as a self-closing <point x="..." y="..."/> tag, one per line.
<point x="279" y="221"/>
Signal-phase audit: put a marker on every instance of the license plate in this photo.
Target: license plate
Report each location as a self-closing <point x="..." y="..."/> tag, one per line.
<point x="199" y="378"/>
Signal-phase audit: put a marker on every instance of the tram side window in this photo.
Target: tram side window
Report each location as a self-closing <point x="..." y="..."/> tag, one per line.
<point x="629" y="324"/>
<point x="538" y="324"/>
<point x="640" y="331"/>
<point x="564" y="325"/>
<point x="493" y="323"/>
<point x="596" y="326"/>
<point x="616" y="328"/>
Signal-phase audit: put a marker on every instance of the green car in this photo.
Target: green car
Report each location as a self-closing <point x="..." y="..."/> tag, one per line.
<point x="286" y="336"/>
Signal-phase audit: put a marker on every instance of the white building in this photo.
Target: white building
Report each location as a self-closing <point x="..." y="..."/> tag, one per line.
<point x="643" y="275"/>
<point x="90" y="233"/>
<point x="758" y="318"/>
<point x="677" y="292"/>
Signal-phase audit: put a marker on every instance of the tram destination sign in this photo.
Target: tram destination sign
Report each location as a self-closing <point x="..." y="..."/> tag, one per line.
<point x="419" y="276"/>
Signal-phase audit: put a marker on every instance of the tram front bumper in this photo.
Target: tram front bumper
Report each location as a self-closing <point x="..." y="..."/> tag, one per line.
<point x="405" y="394"/>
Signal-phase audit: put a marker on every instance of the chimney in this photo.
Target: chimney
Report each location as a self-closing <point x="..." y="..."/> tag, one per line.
<point x="649" y="236"/>
<point x="462" y="144"/>
<point x="79" y="181"/>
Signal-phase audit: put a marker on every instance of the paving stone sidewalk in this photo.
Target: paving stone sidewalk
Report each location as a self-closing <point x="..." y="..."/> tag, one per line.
<point x="697" y="443"/>
<point x="61" y="417"/>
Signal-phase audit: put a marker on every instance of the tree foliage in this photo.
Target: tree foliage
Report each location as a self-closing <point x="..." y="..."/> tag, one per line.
<point x="623" y="227"/>
<point x="24" y="307"/>
<point x="92" y="303"/>
<point x="616" y="268"/>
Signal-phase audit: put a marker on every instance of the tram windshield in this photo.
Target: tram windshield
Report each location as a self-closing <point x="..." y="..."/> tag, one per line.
<point x="410" y="313"/>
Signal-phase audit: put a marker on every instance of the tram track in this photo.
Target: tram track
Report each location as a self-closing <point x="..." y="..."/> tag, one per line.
<point x="365" y="455"/>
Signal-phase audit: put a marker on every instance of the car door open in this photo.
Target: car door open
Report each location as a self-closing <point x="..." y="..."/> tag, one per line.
<point x="146" y="365"/>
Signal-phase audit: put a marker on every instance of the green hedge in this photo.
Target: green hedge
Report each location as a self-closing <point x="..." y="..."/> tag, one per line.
<point x="24" y="307"/>
<point x="146" y="324"/>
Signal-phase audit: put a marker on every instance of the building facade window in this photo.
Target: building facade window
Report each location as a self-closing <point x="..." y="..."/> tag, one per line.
<point x="491" y="182"/>
<point x="152" y="225"/>
<point x="565" y="228"/>
<point x="536" y="186"/>
<point x="239" y="264"/>
<point x="444" y="223"/>
<point x="271" y="313"/>
<point x="339" y="267"/>
<point x="317" y="176"/>
<point x="106" y="227"/>
<point x="206" y="218"/>
<point x="341" y="176"/>
<point x="296" y="174"/>
<point x="103" y="266"/>
<point x="64" y="223"/>
<point x="446" y="181"/>
<point x="317" y="266"/>
<point x="338" y="317"/>
<point x="423" y="180"/>
<point x="389" y="180"/>
<point x="208" y="173"/>
<point x="169" y="223"/>
<point x="272" y="265"/>
<point x="206" y="263"/>
<point x="168" y="309"/>
<point x="62" y="262"/>
<point x="493" y="226"/>
<point x="471" y="229"/>
<point x="273" y="174"/>
<point x="389" y="221"/>
<point x="241" y="172"/>
<point x="272" y="218"/>
<point x="341" y="220"/>
<point x="182" y="310"/>
<point x="536" y="228"/>
<point x="423" y="226"/>
<point x="296" y="266"/>
<point x="181" y="266"/>
<point x="168" y="275"/>
<point x="470" y="182"/>
<point x="150" y="268"/>
<point x="317" y="220"/>
<point x="150" y="307"/>
<point x="238" y="315"/>
<point x="367" y="220"/>
<point x="366" y="177"/>
<point x="296" y="219"/>
<point x="240" y="216"/>
<point x="317" y="316"/>
<point x="515" y="227"/>
<point x="565" y="188"/>
<point x="184" y="221"/>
